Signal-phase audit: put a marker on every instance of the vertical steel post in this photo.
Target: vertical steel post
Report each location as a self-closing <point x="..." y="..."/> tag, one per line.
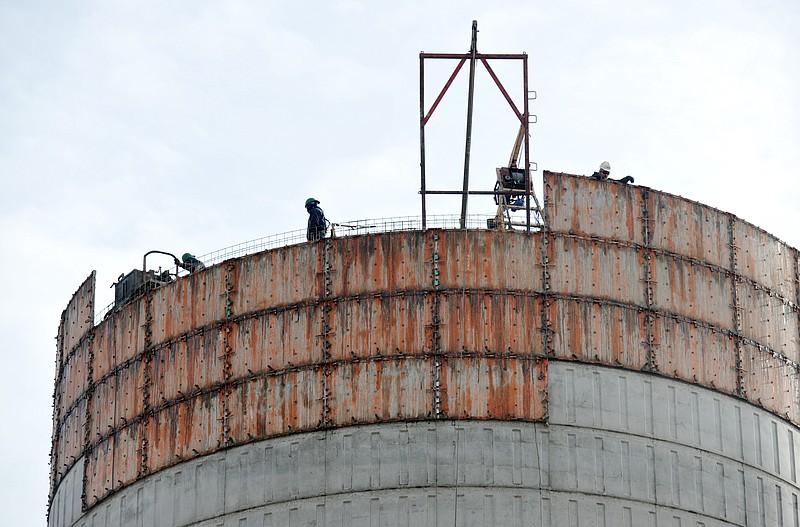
<point x="473" y="51"/>
<point x="422" y="134"/>
<point x="526" y="125"/>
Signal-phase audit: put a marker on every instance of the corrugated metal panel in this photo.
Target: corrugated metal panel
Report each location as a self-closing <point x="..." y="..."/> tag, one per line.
<point x="469" y="259"/>
<point x="614" y="336"/>
<point x="495" y="322"/>
<point x="766" y="260"/>
<point x="587" y="207"/>
<point x="694" y="291"/>
<point x="380" y="390"/>
<point x="771" y="383"/>
<point x="596" y="269"/>
<point x="695" y="353"/>
<point x="691" y="229"/>
<point x="494" y="388"/>
<point x="769" y="320"/>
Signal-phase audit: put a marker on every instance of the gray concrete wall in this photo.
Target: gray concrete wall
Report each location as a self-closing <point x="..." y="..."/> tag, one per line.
<point x="621" y="448"/>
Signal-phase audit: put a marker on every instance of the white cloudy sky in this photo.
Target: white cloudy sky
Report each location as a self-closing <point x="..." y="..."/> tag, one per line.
<point x="131" y="126"/>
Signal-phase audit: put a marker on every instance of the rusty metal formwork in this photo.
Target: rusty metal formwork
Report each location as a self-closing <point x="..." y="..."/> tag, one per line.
<point x="425" y="325"/>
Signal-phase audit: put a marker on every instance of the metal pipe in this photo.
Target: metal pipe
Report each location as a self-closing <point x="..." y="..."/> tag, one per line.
<point x="473" y="51"/>
<point x="422" y="133"/>
<point x="144" y="259"/>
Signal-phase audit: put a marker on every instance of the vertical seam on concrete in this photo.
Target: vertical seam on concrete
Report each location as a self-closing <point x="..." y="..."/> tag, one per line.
<point x="651" y="363"/>
<point x="736" y="308"/>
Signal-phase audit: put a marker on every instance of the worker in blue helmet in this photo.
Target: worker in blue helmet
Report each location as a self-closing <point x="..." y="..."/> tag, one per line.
<point x="190" y="263"/>
<point x="316" y="220"/>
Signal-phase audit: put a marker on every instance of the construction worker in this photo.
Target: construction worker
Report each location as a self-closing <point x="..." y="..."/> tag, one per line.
<point x="604" y="171"/>
<point x="190" y="263"/>
<point x="316" y="220"/>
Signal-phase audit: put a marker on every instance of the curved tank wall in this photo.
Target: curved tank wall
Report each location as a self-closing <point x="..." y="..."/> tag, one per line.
<point x="636" y="362"/>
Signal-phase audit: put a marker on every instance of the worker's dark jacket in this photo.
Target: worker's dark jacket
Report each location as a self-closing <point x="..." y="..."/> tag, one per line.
<point x="316" y="223"/>
<point x="626" y="179"/>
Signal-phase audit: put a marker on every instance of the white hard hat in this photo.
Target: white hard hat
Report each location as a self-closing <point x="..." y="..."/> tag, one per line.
<point x="606" y="166"/>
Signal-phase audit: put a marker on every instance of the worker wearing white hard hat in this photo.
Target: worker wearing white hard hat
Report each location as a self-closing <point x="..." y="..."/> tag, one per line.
<point x="605" y="170"/>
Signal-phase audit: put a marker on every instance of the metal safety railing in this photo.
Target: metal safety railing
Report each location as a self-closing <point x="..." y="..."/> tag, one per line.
<point x="336" y="230"/>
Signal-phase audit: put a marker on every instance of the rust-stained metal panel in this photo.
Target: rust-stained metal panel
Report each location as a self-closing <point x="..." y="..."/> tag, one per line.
<point x="75" y="376"/>
<point x="695" y="291"/>
<point x="77" y="318"/>
<point x="129" y="332"/>
<point x="375" y="326"/>
<point x="187" y="429"/>
<point x="771" y="383"/>
<point x="764" y="259"/>
<point x="769" y="320"/>
<point x="690" y="229"/>
<point x="470" y="259"/>
<point x="593" y="268"/>
<point x="193" y="301"/>
<point x="104" y="409"/>
<point x="276" y="405"/>
<point x="70" y="438"/>
<point x="294" y="402"/>
<point x="380" y="390"/>
<point x="100" y="472"/>
<point x="128" y="397"/>
<point x="494" y="388"/>
<point x="696" y="353"/>
<point x="378" y="264"/>
<point x="614" y="336"/>
<point x="587" y="207"/>
<point x="495" y="322"/>
<point x="278" y="277"/>
<point x="177" y="308"/>
<point x="186" y="366"/>
<point x="104" y="347"/>
<point x="273" y="341"/>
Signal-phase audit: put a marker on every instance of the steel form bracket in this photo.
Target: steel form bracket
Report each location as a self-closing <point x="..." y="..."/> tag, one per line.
<point x="524" y="117"/>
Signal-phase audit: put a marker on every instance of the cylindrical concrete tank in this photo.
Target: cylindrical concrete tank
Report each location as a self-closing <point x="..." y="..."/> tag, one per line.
<point x="635" y="364"/>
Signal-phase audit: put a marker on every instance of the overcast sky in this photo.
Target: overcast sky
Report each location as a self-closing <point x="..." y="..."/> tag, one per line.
<point x="193" y="126"/>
